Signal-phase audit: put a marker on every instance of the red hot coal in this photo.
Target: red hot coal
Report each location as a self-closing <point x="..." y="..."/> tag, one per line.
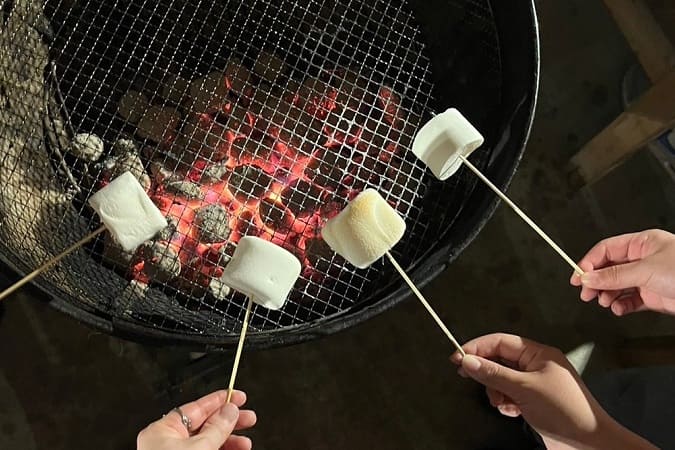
<point x="270" y="161"/>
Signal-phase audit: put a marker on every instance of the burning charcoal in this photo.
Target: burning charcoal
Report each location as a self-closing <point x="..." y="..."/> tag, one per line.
<point x="245" y="224"/>
<point x="351" y="88"/>
<point x="269" y="67"/>
<point x="175" y="89"/>
<point x="218" y="289"/>
<point x="132" y="105"/>
<point x="341" y="130"/>
<point x="390" y="103"/>
<point x="275" y="215"/>
<point x="316" y="98"/>
<point x="117" y="165"/>
<point x="160" y="173"/>
<point x="247" y="150"/>
<point x="259" y="104"/>
<point x="247" y="182"/>
<point x="410" y="127"/>
<point x="122" y="146"/>
<point x="208" y="92"/>
<point x="213" y="223"/>
<point x="135" y="291"/>
<point x="219" y="256"/>
<point x="185" y="189"/>
<point x="161" y="262"/>
<point x="86" y="146"/>
<point x="214" y="173"/>
<point x="237" y="76"/>
<point x="158" y="123"/>
<point x="114" y="254"/>
<point x="328" y="166"/>
<point x="204" y="136"/>
<point x="168" y="232"/>
<point x="319" y="253"/>
<point x="240" y="120"/>
<point x="302" y="196"/>
<point x="375" y="133"/>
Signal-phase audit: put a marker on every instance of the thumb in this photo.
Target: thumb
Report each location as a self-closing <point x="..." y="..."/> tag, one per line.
<point x="620" y="276"/>
<point x="493" y="375"/>
<point x="217" y="428"/>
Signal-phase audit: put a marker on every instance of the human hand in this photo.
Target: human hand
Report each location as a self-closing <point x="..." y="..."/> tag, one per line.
<point x="630" y="273"/>
<point x="212" y="422"/>
<point x="539" y="383"/>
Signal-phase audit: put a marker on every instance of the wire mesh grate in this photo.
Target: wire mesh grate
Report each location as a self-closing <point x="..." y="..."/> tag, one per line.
<point x="372" y="53"/>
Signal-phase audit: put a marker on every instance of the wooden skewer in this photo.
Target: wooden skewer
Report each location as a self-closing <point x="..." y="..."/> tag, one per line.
<point x="51" y="262"/>
<point x="523" y="216"/>
<point x="240" y="346"/>
<point x="426" y="304"/>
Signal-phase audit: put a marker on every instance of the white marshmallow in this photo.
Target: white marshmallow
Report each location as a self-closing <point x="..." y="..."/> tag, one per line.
<point x="263" y="271"/>
<point x="365" y="230"/>
<point x="127" y="211"/>
<point x="441" y="140"/>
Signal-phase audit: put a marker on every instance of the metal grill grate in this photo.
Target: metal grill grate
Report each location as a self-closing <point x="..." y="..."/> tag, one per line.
<point x="100" y="50"/>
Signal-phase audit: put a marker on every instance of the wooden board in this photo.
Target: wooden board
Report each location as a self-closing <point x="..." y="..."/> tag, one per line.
<point x="646" y="118"/>
<point x="644" y="35"/>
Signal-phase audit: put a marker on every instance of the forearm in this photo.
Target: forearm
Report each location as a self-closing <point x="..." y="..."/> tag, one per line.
<point x="609" y="435"/>
<point x="614" y="435"/>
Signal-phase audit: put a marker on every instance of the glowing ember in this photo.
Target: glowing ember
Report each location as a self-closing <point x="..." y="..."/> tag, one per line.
<point x="252" y="162"/>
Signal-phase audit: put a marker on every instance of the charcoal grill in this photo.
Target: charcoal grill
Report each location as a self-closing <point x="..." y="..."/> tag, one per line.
<point x="68" y="63"/>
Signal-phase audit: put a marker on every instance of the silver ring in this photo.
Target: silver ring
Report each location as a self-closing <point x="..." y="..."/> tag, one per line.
<point x="183" y="418"/>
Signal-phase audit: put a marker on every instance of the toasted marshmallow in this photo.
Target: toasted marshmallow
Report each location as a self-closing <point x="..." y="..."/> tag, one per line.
<point x="262" y="271"/>
<point x="127" y="211"/>
<point x="365" y="230"/>
<point x="441" y="141"/>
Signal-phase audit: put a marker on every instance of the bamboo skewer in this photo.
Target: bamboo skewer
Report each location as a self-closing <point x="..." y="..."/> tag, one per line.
<point x="523" y="216"/>
<point x="240" y="346"/>
<point x="51" y="262"/>
<point x="425" y="303"/>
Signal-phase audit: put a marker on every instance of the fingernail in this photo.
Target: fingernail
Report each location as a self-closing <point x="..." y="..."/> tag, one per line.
<point x="471" y="363"/>
<point x="456" y="358"/>
<point x="229" y="412"/>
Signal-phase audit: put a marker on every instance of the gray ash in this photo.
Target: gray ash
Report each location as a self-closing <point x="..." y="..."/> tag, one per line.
<point x="213" y="223"/>
<point x="161" y="262"/>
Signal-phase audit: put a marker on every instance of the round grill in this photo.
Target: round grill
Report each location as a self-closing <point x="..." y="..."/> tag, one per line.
<point x="257" y="118"/>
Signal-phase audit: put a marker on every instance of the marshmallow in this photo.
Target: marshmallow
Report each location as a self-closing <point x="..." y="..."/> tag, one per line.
<point x="365" y="230"/>
<point x="127" y="211"/>
<point x="441" y="141"/>
<point x="263" y="271"/>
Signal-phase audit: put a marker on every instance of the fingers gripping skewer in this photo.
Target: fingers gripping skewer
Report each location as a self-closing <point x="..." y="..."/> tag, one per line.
<point x="50" y="263"/>
<point x="425" y="303"/>
<point x="240" y="346"/>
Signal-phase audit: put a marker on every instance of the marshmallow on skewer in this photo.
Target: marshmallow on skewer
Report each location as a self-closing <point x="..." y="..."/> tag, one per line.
<point x="365" y="230"/>
<point x="127" y="212"/>
<point x="442" y="140"/>
<point x="263" y="271"/>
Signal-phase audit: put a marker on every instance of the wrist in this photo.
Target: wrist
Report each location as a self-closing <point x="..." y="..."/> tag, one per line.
<point x="611" y="434"/>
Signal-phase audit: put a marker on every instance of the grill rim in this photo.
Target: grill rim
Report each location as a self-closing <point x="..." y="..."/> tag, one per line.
<point x="527" y="37"/>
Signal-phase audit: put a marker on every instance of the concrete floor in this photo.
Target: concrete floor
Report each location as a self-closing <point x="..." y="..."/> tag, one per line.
<point x="386" y="383"/>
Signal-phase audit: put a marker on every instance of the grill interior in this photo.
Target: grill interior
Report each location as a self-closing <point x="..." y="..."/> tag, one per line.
<point x="432" y="56"/>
